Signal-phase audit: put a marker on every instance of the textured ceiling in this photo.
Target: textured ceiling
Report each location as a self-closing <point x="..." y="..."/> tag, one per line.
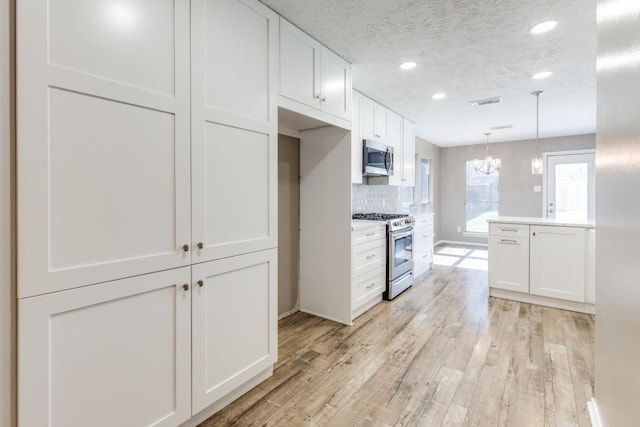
<point x="468" y="49"/>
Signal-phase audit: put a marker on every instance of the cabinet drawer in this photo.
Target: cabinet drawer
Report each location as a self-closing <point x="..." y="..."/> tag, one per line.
<point x="368" y="256"/>
<point x="423" y="221"/>
<point x="509" y="230"/>
<point x="423" y="256"/>
<point x="368" y="234"/>
<point x="369" y="284"/>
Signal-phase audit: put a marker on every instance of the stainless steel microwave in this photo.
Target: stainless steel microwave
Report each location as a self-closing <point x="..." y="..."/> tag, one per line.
<point x="377" y="159"/>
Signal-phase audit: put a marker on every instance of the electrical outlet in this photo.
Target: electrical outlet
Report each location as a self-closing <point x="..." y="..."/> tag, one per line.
<point x="459" y="229"/>
<point x="537" y="188"/>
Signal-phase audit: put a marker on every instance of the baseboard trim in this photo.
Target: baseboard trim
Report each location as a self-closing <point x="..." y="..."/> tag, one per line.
<point x="454" y="242"/>
<point x="594" y="414"/>
<point x="294" y="310"/>
<point x="579" y="307"/>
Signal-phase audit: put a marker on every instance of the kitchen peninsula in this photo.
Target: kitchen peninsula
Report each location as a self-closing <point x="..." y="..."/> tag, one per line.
<point x="543" y="261"/>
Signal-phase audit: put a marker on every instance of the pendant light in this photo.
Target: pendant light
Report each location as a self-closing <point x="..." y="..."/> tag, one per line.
<point x="536" y="162"/>
<point x="489" y="165"/>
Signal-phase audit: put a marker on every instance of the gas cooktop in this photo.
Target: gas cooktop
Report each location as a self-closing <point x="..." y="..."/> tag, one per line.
<point x="377" y="216"/>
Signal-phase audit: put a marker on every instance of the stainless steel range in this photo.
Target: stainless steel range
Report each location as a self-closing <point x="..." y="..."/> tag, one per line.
<point x="399" y="250"/>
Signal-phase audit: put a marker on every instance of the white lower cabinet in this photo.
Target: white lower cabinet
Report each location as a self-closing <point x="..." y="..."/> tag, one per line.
<point x="423" y="243"/>
<point x="234" y="329"/>
<point x="152" y="350"/>
<point x="509" y="263"/>
<point x="543" y="264"/>
<point x="113" y="354"/>
<point x="368" y="267"/>
<point x="558" y="258"/>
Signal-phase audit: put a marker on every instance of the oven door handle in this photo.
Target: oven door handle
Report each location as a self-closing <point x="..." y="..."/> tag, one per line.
<point x="402" y="235"/>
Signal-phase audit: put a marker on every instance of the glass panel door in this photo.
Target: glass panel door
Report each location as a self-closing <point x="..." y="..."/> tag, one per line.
<point x="570" y="186"/>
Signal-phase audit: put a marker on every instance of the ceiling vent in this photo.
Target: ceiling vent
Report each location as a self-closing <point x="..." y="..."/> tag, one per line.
<point x="486" y="101"/>
<point x="501" y="127"/>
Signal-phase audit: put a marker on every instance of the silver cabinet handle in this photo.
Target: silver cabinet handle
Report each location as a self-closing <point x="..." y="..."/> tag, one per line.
<point x="514" y="230"/>
<point x="371" y="256"/>
<point x="425" y="255"/>
<point x="371" y="234"/>
<point x="425" y="236"/>
<point x="370" y="286"/>
<point x="512" y="242"/>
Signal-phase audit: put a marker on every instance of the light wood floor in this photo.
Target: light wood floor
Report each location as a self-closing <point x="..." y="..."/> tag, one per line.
<point x="442" y="353"/>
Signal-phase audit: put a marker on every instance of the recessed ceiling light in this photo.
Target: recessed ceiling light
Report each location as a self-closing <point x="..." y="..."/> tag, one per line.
<point x="438" y="96"/>
<point x="408" y="65"/>
<point x="542" y="75"/>
<point x="543" y="27"/>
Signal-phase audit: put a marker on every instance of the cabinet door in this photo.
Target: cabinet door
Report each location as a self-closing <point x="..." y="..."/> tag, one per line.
<point x="234" y="127"/>
<point x="380" y="123"/>
<point x="394" y="139"/>
<point x="408" y="154"/>
<point x="103" y="141"/>
<point x="234" y="323"/>
<point x="509" y="263"/>
<point x="335" y="84"/>
<point x="367" y="118"/>
<point x="300" y="61"/>
<point x="558" y="262"/>
<point x="113" y="354"/>
<point x="356" y="139"/>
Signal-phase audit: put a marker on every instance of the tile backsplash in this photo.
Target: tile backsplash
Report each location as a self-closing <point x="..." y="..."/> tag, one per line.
<point x="378" y="199"/>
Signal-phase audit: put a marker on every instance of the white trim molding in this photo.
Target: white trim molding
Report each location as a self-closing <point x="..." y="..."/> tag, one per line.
<point x="454" y="242"/>
<point x="594" y="414"/>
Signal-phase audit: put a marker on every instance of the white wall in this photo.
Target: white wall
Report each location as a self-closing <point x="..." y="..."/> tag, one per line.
<point x="6" y="304"/>
<point x="618" y="214"/>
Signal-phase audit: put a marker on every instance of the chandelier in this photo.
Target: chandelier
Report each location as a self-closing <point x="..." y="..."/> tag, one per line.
<point x="489" y="165"/>
<point x="536" y="162"/>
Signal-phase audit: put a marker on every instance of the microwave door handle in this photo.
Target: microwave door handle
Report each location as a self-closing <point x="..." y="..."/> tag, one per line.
<point x="387" y="165"/>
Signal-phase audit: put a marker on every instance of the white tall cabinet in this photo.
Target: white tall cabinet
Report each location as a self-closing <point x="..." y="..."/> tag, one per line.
<point x="146" y="208"/>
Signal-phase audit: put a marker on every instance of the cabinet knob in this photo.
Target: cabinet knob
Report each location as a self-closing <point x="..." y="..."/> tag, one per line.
<point x="324" y="98"/>
<point x="201" y="283"/>
<point x="534" y="233"/>
<point x="185" y="287"/>
<point x="318" y="96"/>
<point x="200" y="245"/>
<point x="185" y="248"/>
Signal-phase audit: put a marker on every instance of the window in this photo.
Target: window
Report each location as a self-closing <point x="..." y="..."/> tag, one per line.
<point x="425" y="177"/>
<point x="483" y="198"/>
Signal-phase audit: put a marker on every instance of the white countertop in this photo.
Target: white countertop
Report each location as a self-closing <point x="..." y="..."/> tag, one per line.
<point x="541" y="221"/>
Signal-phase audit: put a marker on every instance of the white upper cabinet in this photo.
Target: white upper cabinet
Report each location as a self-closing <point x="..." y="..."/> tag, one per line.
<point x="335" y="86"/>
<point x="407" y="162"/>
<point x="234" y="127"/>
<point x="299" y="65"/>
<point x="313" y="80"/>
<point x="356" y="139"/>
<point x="377" y="123"/>
<point x="103" y="141"/>
<point x="373" y="120"/>
<point x="394" y="139"/>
